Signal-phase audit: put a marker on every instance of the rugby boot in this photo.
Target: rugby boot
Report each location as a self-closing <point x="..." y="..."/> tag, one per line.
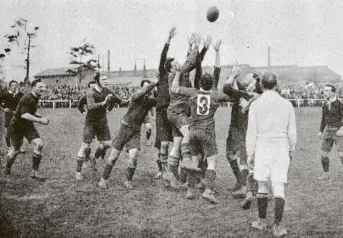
<point x="174" y="183"/>
<point x="128" y="185"/>
<point x="190" y="193"/>
<point x="103" y="183"/>
<point x="279" y="231"/>
<point x="78" y="176"/>
<point x="259" y="224"/>
<point x="158" y="175"/>
<point x="246" y="204"/>
<point x="209" y="196"/>
<point x="35" y="175"/>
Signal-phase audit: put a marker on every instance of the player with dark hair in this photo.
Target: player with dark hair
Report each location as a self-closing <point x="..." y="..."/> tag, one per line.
<point x="203" y="103"/>
<point x="178" y="113"/>
<point x="98" y="100"/>
<point x="129" y="133"/>
<point x="163" y="127"/>
<point x="331" y="127"/>
<point x="239" y="86"/>
<point x="21" y="125"/>
<point x="9" y="102"/>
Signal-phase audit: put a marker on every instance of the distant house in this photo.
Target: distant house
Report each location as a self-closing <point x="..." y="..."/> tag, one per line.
<point x="64" y="76"/>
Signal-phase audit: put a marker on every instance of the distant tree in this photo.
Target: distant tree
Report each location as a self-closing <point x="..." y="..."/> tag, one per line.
<point x="78" y="55"/>
<point x="22" y="36"/>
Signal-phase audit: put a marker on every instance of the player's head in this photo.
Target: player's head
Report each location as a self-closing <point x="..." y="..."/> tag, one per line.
<point x="13" y="85"/>
<point x="144" y="83"/>
<point x="329" y="91"/>
<point x="246" y="81"/>
<point x="101" y="80"/>
<point x="269" y="81"/>
<point x="38" y="87"/>
<point x="206" y="82"/>
<point x="170" y="65"/>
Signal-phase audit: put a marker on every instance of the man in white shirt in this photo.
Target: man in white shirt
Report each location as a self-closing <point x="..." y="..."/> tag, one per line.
<point x="270" y="142"/>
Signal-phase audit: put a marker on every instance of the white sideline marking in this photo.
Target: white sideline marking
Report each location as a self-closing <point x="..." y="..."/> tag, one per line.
<point x="30" y="197"/>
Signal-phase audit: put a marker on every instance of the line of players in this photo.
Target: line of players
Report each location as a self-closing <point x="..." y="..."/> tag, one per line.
<point x="184" y="116"/>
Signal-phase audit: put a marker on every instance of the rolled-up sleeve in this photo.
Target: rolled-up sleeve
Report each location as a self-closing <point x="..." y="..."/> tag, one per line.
<point x="292" y="130"/>
<point x="252" y="131"/>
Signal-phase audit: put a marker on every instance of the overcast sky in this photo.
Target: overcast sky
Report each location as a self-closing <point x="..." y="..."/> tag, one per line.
<point x="301" y="32"/>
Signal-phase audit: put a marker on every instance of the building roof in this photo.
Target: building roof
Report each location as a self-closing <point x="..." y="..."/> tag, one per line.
<point x="54" y="72"/>
<point x="126" y="81"/>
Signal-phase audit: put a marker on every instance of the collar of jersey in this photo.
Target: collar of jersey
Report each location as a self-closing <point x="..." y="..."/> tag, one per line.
<point x="332" y="100"/>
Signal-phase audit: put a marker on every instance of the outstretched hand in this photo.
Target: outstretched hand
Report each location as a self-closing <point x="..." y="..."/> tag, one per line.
<point x="197" y="39"/>
<point x="191" y="39"/>
<point x="217" y="45"/>
<point x="172" y="33"/>
<point x="236" y="70"/>
<point x="207" y="41"/>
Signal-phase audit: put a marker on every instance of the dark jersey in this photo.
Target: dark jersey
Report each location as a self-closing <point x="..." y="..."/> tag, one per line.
<point x="178" y="103"/>
<point x="139" y="107"/>
<point x="10" y="100"/>
<point x="27" y="104"/>
<point x="238" y="119"/>
<point x="162" y="95"/>
<point x="82" y="105"/>
<point x="94" y="99"/>
<point x="332" y="114"/>
<point x="204" y="105"/>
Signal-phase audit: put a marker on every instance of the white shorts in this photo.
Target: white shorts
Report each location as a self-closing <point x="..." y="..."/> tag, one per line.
<point x="271" y="163"/>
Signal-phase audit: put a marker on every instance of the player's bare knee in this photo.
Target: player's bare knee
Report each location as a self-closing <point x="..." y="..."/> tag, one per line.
<point x="324" y="154"/>
<point x="211" y="162"/>
<point x="113" y="156"/>
<point x="340" y="154"/>
<point x="106" y="145"/>
<point x="133" y="158"/>
<point x="231" y="158"/>
<point x="148" y="126"/>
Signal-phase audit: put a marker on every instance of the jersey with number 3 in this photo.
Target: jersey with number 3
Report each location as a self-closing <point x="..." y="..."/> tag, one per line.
<point x="204" y="105"/>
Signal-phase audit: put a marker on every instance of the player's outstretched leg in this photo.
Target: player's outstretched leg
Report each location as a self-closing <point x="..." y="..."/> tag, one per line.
<point x="326" y="166"/>
<point x="210" y="177"/>
<point x="10" y="158"/>
<point x="187" y="160"/>
<point x="80" y="159"/>
<point x="108" y="168"/>
<point x="131" y="168"/>
<point x="262" y="205"/>
<point x="170" y="178"/>
<point x="36" y="159"/>
<point x="279" y="204"/>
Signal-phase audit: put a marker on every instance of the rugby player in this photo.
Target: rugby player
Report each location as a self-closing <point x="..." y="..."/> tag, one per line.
<point x="236" y="87"/>
<point x="22" y="125"/>
<point x="178" y="113"/>
<point x="8" y="103"/>
<point x="98" y="99"/>
<point x="129" y="133"/>
<point x="203" y="104"/>
<point x="330" y="132"/>
<point x="270" y="144"/>
<point x="163" y="127"/>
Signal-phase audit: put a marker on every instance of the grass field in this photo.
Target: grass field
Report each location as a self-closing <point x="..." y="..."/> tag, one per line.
<point x="62" y="207"/>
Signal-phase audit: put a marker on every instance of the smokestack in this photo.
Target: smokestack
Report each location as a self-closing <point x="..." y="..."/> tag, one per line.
<point x="108" y="60"/>
<point x="268" y="57"/>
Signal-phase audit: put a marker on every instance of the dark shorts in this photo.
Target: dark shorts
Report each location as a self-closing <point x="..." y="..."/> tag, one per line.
<point x="330" y="138"/>
<point x="17" y="134"/>
<point x="235" y="142"/>
<point x="8" y="117"/>
<point x="203" y="142"/>
<point x="177" y="121"/>
<point x="98" y="128"/>
<point x="129" y="135"/>
<point x="163" y="127"/>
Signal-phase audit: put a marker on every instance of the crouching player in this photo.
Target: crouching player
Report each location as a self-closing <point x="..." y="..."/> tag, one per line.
<point x="129" y="133"/>
<point x="21" y="125"/>
<point x="203" y="103"/>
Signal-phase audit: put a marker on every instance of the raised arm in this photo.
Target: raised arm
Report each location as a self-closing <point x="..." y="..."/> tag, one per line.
<point x="164" y="53"/>
<point x="143" y="91"/>
<point x="191" y="59"/>
<point x="216" y="73"/>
